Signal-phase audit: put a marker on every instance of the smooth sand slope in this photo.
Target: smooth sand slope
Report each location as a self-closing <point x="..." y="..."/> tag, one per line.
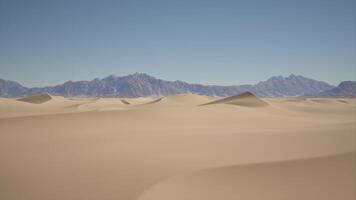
<point x="326" y="178"/>
<point x="175" y="148"/>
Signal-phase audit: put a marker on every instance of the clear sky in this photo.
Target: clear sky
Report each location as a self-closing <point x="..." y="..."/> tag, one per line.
<point x="201" y="41"/>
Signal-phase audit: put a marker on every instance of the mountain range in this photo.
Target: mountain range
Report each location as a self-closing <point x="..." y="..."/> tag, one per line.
<point x="344" y="89"/>
<point x="140" y="84"/>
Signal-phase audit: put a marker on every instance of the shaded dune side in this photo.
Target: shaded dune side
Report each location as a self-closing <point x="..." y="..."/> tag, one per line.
<point x="125" y="102"/>
<point x="37" y="99"/>
<point x="153" y="101"/>
<point x="244" y="99"/>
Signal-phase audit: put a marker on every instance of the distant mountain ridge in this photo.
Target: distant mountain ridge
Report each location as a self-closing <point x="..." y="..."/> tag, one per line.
<point x="140" y="84"/>
<point x="290" y="86"/>
<point x="344" y="89"/>
<point x="11" y="88"/>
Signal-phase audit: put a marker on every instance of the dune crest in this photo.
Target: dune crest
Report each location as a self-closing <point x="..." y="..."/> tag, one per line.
<point x="243" y="99"/>
<point x="37" y="99"/>
<point x="154" y="101"/>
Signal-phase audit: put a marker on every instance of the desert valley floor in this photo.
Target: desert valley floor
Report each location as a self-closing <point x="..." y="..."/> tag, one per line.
<point x="179" y="147"/>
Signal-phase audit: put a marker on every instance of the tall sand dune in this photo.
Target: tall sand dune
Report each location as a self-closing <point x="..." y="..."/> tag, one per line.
<point x="37" y="99"/>
<point x="244" y="99"/>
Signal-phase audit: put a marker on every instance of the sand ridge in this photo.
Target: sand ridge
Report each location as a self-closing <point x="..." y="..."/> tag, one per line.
<point x="244" y="99"/>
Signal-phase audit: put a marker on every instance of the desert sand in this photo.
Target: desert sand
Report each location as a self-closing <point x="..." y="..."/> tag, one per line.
<point x="180" y="147"/>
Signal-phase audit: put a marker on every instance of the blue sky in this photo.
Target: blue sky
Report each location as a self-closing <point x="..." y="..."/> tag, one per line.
<point x="201" y="41"/>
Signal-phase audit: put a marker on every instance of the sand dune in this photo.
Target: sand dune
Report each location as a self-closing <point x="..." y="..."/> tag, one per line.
<point x="37" y="99"/>
<point x="244" y="99"/>
<point x="56" y="105"/>
<point x="164" y="148"/>
<point x="327" y="178"/>
<point x="102" y="103"/>
<point x="185" y="99"/>
<point x="105" y="104"/>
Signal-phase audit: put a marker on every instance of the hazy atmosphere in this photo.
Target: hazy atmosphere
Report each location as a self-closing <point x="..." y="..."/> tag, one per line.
<point x="210" y="42"/>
